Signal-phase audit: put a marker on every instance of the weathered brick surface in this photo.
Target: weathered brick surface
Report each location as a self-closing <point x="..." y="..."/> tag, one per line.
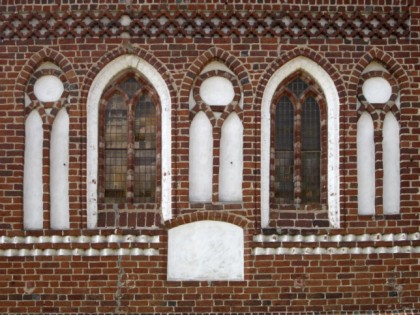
<point x="80" y="41"/>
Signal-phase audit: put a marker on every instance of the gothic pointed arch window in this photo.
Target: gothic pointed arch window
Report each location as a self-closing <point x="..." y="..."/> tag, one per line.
<point x="298" y="145"/>
<point x="300" y="148"/>
<point x="128" y="142"/>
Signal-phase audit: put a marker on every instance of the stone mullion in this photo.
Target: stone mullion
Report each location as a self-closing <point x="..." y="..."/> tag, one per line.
<point x="217" y="133"/>
<point x="298" y="155"/>
<point x="46" y="175"/>
<point x="130" y="153"/>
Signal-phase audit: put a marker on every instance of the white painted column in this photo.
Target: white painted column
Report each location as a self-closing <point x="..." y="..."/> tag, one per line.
<point x="32" y="183"/>
<point x="366" y="165"/>
<point x="201" y="159"/>
<point x="59" y="172"/>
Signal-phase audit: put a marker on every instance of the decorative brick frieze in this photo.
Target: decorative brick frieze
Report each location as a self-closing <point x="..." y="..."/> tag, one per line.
<point x="152" y="24"/>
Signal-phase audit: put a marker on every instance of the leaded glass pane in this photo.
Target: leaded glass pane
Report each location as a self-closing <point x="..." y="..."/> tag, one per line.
<point x="115" y="154"/>
<point x="284" y="154"/>
<point x="284" y="124"/>
<point x="145" y="151"/>
<point x="311" y="151"/>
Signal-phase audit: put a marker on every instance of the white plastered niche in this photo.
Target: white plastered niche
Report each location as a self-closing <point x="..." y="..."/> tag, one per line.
<point x="377" y="90"/>
<point x="59" y="172"/>
<point x="231" y="160"/>
<point x="100" y="82"/>
<point x="391" y="164"/>
<point x="330" y="91"/>
<point x="366" y="165"/>
<point x="201" y="159"/>
<point x="47" y="88"/>
<point x="32" y="183"/>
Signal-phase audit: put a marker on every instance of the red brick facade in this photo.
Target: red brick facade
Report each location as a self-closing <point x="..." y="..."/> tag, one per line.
<point x="368" y="265"/>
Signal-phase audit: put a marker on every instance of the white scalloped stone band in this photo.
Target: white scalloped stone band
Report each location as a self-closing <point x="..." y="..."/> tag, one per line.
<point x="258" y="251"/>
<point x="80" y="239"/>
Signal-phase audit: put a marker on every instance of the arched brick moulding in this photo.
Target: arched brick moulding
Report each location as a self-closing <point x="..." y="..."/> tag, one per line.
<point x="209" y="109"/>
<point x="69" y="98"/>
<point x="55" y="106"/>
<point x="211" y="216"/>
<point x="390" y="64"/>
<point x="224" y="57"/>
<point x="45" y="55"/>
<point x="390" y="105"/>
<point x="217" y="73"/>
<point x="334" y="89"/>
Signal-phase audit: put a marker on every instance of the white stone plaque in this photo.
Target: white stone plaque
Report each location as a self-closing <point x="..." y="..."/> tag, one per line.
<point x="206" y="250"/>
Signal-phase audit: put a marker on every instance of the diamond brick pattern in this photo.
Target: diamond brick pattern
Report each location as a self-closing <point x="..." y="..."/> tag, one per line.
<point x="151" y="24"/>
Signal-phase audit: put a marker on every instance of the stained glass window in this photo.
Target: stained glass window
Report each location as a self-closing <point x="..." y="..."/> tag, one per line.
<point x="284" y="155"/>
<point x="297" y="145"/>
<point x="129" y="142"/>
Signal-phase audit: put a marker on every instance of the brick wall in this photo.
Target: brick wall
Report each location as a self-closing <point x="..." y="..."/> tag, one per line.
<point x="371" y="263"/>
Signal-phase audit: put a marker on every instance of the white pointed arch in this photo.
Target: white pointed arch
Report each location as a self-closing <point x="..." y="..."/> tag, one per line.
<point x="329" y="89"/>
<point x="32" y="183"/>
<point x="107" y="74"/>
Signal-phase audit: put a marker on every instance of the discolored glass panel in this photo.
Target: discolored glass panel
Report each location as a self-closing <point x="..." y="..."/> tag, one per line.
<point x="284" y="155"/>
<point x="145" y="151"/>
<point x="311" y="151"/>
